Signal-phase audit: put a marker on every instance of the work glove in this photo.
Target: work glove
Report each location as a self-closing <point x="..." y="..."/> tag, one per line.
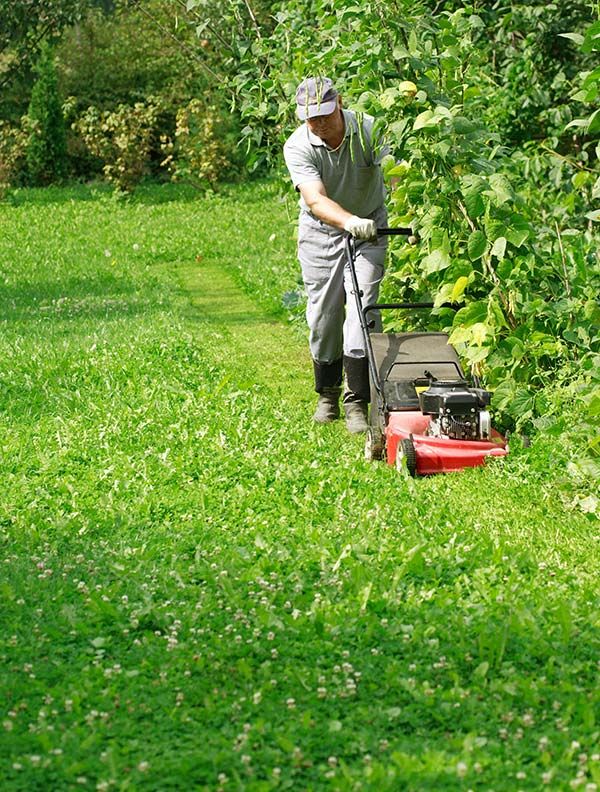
<point x="361" y="228"/>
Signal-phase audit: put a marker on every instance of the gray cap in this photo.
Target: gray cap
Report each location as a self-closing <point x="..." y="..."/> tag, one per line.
<point x="315" y="96"/>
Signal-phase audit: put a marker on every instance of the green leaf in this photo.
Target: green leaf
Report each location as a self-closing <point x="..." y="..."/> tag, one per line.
<point x="593" y="124"/>
<point x="594" y="216"/>
<point x="522" y="403"/>
<point x="479" y="332"/>
<point x="500" y="189"/>
<point x="499" y="248"/>
<point x="518" y="230"/>
<point x="423" y="120"/>
<point x="474" y="312"/>
<point x="472" y="195"/>
<point x="475" y="334"/>
<point x="576" y="37"/>
<point x="437" y="260"/>
<point x="444" y="295"/>
<point x="592" y="36"/>
<point x="503" y="394"/>
<point x="580" y="179"/>
<point x="388" y="98"/>
<point x="462" y="125"/>
<point x="459" y="288"/>
<point x="476" y="245"/>
<point x="401" y="169"/>
<point x="577" y="122"/>
<point x="442" y="112"/>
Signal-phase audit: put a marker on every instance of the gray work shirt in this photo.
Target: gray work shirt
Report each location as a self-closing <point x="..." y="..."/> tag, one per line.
<point x="350" y="174"/>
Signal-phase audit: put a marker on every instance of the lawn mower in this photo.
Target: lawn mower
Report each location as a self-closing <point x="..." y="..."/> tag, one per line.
<point x="426" y="416"/>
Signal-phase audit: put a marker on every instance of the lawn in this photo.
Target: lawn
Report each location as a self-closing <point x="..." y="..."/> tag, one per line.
<point x="203" y="590"/>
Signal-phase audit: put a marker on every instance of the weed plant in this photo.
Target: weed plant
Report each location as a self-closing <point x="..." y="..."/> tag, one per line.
<point x="203" y="590"/>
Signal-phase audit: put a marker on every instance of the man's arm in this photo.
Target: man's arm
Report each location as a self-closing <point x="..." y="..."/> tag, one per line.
<point x="316" y="198"/>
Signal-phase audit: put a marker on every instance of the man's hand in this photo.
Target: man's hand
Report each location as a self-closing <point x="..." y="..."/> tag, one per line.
<point x="361" y="228"/>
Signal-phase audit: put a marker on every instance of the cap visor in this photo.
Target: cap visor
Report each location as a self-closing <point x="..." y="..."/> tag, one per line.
<point x="314" y="110"/>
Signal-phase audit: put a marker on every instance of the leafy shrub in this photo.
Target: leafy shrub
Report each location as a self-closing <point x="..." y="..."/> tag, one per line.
<point x="199" y="151"/>
<point x="47" y="145"/>
<point x="588" y="128"/>
<point x="122" y="139"/>
<point x="13" y="148"/>
<point x="532" y="66"/>
<point x="83" y="164"/>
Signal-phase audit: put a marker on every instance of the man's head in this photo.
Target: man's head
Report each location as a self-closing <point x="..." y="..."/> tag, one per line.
<point x="316" y="96"/>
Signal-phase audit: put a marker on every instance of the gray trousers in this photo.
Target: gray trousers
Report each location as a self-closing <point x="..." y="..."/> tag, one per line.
<point x="331" y="313"/>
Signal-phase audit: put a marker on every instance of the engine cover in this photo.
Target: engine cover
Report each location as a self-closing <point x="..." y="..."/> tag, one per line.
<point x="457" y="411"/>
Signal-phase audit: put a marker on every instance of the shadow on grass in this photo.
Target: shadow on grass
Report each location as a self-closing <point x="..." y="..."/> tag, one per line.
<point x="76" y="298"/>
<point x="147" y="194"/>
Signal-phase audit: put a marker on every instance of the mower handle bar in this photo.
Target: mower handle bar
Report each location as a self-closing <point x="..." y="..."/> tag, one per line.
<point x="408" y="306"/>
<point x="394" y="232"/>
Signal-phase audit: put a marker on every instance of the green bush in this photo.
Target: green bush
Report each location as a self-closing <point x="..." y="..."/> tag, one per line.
<point x="122" y="139"/>
<point x="13" y="149"/>
<point x="201" y="151"/>
<point x="47" y="145"/>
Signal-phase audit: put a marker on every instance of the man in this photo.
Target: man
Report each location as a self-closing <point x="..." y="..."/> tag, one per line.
<point x="333" y="164"/>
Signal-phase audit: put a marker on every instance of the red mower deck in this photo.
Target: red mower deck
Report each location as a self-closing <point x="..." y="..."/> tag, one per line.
<point x="437" y="454"/>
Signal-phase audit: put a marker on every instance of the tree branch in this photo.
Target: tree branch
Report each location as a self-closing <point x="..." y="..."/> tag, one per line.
<point x="163" y="29"/>
<point x="210" y="27"/>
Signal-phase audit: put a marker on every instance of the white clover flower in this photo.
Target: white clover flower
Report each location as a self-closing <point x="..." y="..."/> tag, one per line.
<point x="461" y="769"/>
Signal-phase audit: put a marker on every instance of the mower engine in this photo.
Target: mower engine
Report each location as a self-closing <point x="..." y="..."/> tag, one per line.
<point x="457" y="411"/>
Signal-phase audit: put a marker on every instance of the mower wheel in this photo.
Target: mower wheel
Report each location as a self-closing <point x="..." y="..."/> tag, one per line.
<point x="373" y="444"/>
<point x="406" y="457"/>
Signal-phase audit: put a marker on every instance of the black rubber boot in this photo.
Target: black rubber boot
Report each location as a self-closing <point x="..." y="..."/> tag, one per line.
<point x="328" y="406"/>
<point x="358" y="388"/>
<point x="357" y="394"/>
<point x="328" y="384"/>
<point x="356" y="417"/>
